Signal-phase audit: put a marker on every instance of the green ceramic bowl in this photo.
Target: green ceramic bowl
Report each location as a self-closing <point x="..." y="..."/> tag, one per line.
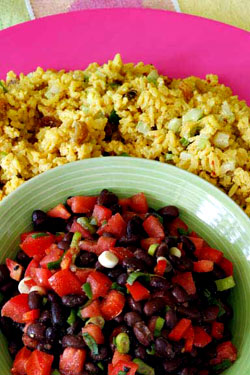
<point x="205" y="208"/>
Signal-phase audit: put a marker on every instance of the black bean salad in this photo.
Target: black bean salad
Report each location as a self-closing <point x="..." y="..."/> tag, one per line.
<point x="104" y="285"/>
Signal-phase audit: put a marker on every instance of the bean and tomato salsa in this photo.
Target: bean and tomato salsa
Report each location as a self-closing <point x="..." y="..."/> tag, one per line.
<point x="104" y="285"/>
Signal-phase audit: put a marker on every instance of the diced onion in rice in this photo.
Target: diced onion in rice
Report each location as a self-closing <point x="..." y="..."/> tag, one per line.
<point x="221" y="140"/>
<point x="193" y="114"/>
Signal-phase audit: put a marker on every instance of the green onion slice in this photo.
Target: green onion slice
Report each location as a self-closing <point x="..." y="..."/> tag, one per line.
<point x="87" y="289"/>
<point x="38" y="235"/>
<point x="91" y="343"/>
<point x="225" y="284"/>
<point x="152" y="249"/>
<point x="72" y="317"/>
<point x="158" y="326"/>
<point x="134" y="275"/>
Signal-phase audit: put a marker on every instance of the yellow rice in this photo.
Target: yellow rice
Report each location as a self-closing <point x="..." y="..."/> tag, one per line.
<point x="49" y="118"/>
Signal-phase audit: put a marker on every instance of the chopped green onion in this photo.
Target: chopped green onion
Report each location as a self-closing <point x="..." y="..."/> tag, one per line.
<point x="158" y="326"/>
<point x="152" y="249"/>
<point x="124" y="154"/>
<point x="118" y="287"/>
<point x="75" y="240"/>
<point x="3" y="154"/>
<point x="151" y="351"/>
<point x="175" y="251"/>
<point x="93" y="221"/>
<point x="91" y="343"/>
<point x="84" y="222"/>
<point x="224" y="284"/>
<point x="134" y="275"/>
<point x="79" y="314"/>
<point x="45" y="300"/>
<point x="143" y="368"/>
<point x="100" y="365"/>
<point x="182" y="232"/>
<point x="38" y="235"/>
<point x="87" y="289"/>
<point x="214" y="301"/>
<point x="122" y="343"/>
<point x="174" y="124"/>
<point x="122" y="373"/>
<point x="1" y="297"/>
<point x="72" y="317"/>
<point x="55" y="372"/>
<point x="223" y="365"/>
<point x="184" y="142"/>
<point x="152" y="76"/>
<point x="55" y="265"/>
<point x="193" y="114"/>
<point x="114" y="118"/>
<point x="167" y="308"/>
<point x="3" y="87"/>
<point x="97" y="320"/>
<point x="169" y="156"/>
<point x="60" y="233"/>
<point x="104" y="222"/>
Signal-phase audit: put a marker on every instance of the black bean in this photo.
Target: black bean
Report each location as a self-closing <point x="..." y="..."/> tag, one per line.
<point x="36" y="331"/>
<point x="169" y="213"/>
<point x="183" y="263"/>
<point x="57" y="314"/>
<point x="115" y="272"/>
<point x="162" y="250"/>
<point x="210" y="314"/>
<point x="53" y="297"/>
<point x="9" y="288"/>
<point x="218" y="272"/>
<point x="153" y="306"/>
<point x="86" y="259"/>
<point x="64" y="245"/>
<point x="131" y="318"/>
<point x="228" y="312"/>
<point x="107" y="198"/>
<point x="134" y="305"/>
<point x="73" y="342"/>
<point x="39" y="219"/>
<point x="102" y="355"/>
<point x="4" y="274"/>
<point x="172" y="365"/>
<point x="122" y="279"/>
<point x="73" y="300"/>
<point x="52" y="334"/>
<point x="163" y="348"/>
<point x="7" y="327"/>
<point x="134" y="227"/>
<point x="126" y="241"/>
<point x="116" y="208"/>
<point x="189" y="312"/>
<point x="14" y="347"/>
<point x="133" y="264"/>
<point x="160" y="283"/>
<point x="99" y="267"/>
<point x="45" y="317"/>
<point x="22" y="258"/>
<point x="180" y="294"/>
<point x="171" y="241"/>
<point x="91" y="368"/>
<point x="68" y="236"/>
<point x="140" y="352"/>
<point x="171" y="319"/>
<point x="188" y="245"/>
<point x="35" y="300"/>
<point x="142" y="333"/>
<point x="119" y="319"/>
<point x="188" y="371"/>
<point x="142" y="255"/>
<point x="44" y="347"/>
<point x="75" y="327"/>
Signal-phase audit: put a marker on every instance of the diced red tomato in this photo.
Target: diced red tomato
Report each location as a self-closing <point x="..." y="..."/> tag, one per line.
<point x="217" y="330"/>
<point x="203" y="266"/>
<point x="226" y="350"/>
<point x="147" y="242"/>
<point x="121" y="366"/>
<point x="161" y="267"/>
<point x="198" y="242"/>
<point x="15" y="269"/>
<point x="101" y="213"/>
<point x="121" y="253"/>
<point x="175" y="225"/>
<point x="185" y="280"/>
<point x="116" y="226"/>
<point x="208" y="253"/>
<point x="227" y="266"/>
<point x="76" y="227"/>
<point x="82" y="204"/>
<point x="112" y="305"/>
<point x="100" y="284"/>
<point x="15" y="307"/>
<point x="138" y="291"/>
<point x="139" y="203"/>
<point x="88" y="245"/>
<point x="83" y="273"/>
<point x="201" y="338"/>
<point x="72" y="361"/>
<point x="29" y="270"/>
<point x="91" y="310"/>
<point x="189" y="339"/>
<point x="39" y="363"/>
<point x="120" y="357"/>
<point x="35" y="247"/>
<point x="65" y="282"/>
<point x="105" y="243"/>
<point x="54" y="255"/>
<point x="59" y="211"/>
<point x="25" y="235"/>
<point x="20" y="362"/>
<point x="153" y="227"/>
<point x="41" y="277"/>
<point x="31" y="316"/>
<point x="94" y="331"/>
<point x="125" y="203"/>
<point x="179" y="330"/>
<point x="29" y="282"/>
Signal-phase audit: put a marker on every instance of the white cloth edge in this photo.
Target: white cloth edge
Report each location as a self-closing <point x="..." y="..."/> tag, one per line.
<point x="29" y="9"/>
<point x="177" y="6"/>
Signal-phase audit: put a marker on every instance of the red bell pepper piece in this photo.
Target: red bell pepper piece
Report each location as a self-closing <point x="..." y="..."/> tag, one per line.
<point x="112" y="305"/>
<point x="35" y="247"/>
<point x="105" y="243"/>
<point x="153" y="227"/>
<point x="123" y="365"/>
<point x="39" y="363"/>
<point x="198" y="243"/>
<point x="101" y="213"/>
<point x="179" y="330"/>
<point x="59" y="211"/>
<point x="175" y="225"/>
<point x="217" y="330"/>
<point x="161" y="267"/>
<point x="189" y="339"/>
<point x="76" y="227"/>
<point x="100" y="284"/>
<point x="208" y="253"/>
<point x="116" y="226"/>
<point x="94" y="331"/>
<point x="54" y="254"/>
<point x="41" y="277"/>
<point x="31" y="316"/>
<point x="138" y="291"/>
<point x="121" y="253"/>
<point x="185" y="280"/>
<point x="227" y="266"/>
<point x="201" y="338"/>
<point x="72" y="361"/>
<point x="82" y="204"/>
<point x="15" y="269"/>
<point x="89" y="245"/>
<point x="20" y="362"/>
<point x="139" y="204"/>
<point x="83" y="273"/>
<point x="147" y="242"/>
<point x="203" y="266"/>
<point x="29" y="270"/>
<point x="65" y="282"/>
<point x="92" y="310"/>
<point x="117" y="357"/>
<point x="15" y="307"/>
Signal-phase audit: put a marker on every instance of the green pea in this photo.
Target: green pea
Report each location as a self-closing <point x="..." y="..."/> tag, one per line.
<point x="122" y="343"/>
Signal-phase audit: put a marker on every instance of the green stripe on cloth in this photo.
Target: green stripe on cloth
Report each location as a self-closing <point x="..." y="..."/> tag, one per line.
<point x="12" y="12"/>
